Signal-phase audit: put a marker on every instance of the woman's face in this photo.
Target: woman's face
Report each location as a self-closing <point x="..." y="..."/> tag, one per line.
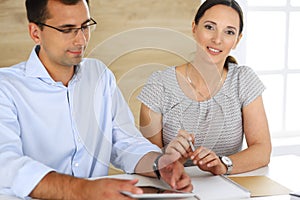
<point x="217" y="33"/>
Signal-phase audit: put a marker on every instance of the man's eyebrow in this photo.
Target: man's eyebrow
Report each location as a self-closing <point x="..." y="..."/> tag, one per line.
<point x="73" y="25"/>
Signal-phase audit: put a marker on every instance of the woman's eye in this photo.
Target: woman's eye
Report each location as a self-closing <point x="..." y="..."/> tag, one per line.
<point x="209" y="27"/>
<point x="230" y="32"/>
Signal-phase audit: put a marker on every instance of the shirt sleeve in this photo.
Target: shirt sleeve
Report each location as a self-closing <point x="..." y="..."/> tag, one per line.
<point x="129" y="145"/>
<point x="152" y="92"/>
<point x="251" y="86"/>
<point x="19" y="173"/>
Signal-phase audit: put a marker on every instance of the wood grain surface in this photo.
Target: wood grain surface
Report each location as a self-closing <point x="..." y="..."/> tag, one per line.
<point x="114" y="18"/>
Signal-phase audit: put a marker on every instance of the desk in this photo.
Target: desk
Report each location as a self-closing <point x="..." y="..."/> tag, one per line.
<point x="282" y="169"/>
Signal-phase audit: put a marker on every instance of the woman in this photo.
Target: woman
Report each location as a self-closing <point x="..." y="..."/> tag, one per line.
<point x="211" y="97"/>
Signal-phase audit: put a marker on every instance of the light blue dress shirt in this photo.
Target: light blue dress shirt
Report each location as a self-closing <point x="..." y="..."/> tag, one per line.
<point x="76" y="130"/>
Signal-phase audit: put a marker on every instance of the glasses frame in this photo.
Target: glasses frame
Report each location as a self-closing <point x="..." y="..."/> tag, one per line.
<point x="70" y="30"/>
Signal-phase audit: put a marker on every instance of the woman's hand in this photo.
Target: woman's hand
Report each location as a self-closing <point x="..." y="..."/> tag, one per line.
<point x="207" y="160"/>
<point x="180" y="146"/>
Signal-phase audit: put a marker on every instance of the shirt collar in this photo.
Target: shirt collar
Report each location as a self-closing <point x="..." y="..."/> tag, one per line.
<point x="34" y="67"/>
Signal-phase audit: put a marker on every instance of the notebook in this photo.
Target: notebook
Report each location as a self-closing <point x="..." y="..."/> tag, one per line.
<point x="260" y="185"/>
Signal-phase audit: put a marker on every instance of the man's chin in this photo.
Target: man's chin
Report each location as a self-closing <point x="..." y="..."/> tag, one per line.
<point x="77" y="60"/>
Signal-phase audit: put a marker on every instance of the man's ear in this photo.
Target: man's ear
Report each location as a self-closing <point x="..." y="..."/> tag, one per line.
<point x="237" y="41"/>
<point x="34" y="32"/>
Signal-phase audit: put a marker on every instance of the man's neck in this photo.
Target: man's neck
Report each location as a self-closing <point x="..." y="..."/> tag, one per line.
<point x="58" y="73"/>
<point x="63" y="75"/>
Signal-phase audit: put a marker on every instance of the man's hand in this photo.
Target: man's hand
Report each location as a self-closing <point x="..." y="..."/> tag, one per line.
<point x="172" y="172"/>
<point x="109" y="189"/>
<point x="60" y="186"/>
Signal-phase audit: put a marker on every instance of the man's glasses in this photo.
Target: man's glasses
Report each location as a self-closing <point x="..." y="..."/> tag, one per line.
<point x="70" y="33"/>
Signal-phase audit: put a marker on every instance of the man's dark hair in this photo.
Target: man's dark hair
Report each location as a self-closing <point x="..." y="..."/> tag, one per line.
<point x="37" y="9"/>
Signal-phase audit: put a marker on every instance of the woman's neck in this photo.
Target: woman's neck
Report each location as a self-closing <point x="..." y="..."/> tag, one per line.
<point x="205" y="80"/>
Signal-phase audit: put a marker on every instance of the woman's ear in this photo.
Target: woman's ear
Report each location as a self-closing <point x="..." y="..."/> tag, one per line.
<point x="237" y="41"/>
<point x="194" y="25"/>
<point x="34" y="32"/>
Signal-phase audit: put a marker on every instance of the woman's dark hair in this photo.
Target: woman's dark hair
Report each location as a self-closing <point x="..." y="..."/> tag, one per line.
<point x="230" y="3"/>
<point x="37" y="9"/>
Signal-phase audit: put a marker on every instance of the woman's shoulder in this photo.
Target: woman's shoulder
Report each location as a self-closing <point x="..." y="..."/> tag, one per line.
<point x="245" y="76"/>
<point x="166" y="71"/>
<point x="163" y="74"/>
<point x="240" y="70"/>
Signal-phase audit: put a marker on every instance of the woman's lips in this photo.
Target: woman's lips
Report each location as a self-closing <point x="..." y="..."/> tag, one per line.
<point x="214" y="51"/>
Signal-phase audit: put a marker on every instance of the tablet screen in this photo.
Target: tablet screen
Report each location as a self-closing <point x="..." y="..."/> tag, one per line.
<point x="155" y="192"/>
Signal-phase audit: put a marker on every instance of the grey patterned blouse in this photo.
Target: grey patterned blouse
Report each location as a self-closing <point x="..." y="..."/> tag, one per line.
<point x="217" y="122"/>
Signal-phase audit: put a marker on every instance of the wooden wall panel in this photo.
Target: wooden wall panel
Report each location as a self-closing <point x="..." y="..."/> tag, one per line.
<point x="114" y="17"/>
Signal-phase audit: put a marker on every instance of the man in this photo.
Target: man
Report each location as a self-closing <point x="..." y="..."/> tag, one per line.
<point x="63" y="119"/>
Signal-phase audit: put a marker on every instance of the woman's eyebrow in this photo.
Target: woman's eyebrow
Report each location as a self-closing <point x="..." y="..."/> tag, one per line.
<point x="212" y="22"/>
<point x="232" y="27"/>
<point x="209" y="21"/>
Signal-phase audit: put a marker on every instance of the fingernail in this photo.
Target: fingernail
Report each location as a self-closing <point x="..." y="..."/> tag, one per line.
<point x="139" y="191"/>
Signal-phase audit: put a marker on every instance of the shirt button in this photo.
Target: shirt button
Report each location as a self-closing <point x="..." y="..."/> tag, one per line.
<point x="76" y="164"/>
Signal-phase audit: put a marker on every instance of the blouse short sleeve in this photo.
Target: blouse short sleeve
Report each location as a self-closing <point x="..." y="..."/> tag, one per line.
<point x="251" y="86"/>
<point x="152" y="92"/>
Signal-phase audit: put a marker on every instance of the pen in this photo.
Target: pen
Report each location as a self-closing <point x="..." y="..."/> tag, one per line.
<point x="191" y="145"/>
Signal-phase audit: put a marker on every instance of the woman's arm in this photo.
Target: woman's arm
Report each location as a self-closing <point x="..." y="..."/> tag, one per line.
<point x="151" y="128"/>
<point x="257" y="135"/>
<point x="258" y="139"/>
<point x="151" y="125"/>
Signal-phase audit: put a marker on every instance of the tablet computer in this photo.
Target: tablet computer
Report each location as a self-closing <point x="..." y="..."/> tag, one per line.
<point x="155" y="192"/>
